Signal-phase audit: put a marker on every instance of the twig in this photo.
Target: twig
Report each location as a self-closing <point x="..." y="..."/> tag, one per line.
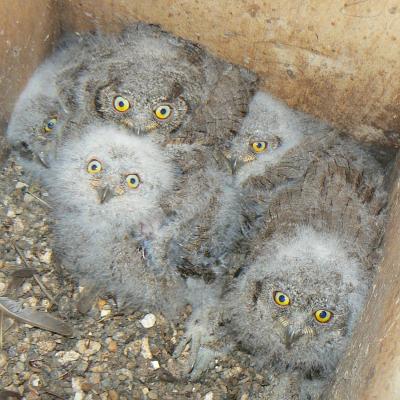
<point x="39" y="199"/>
<point x="36" y="277"/>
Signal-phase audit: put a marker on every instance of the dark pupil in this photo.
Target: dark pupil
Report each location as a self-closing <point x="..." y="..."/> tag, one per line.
<point x="163" y="111"/>
<point x="94" y="167"/>
<point x="133" y="181"/>
<point x="282" y="298"/>
<point x="323" y="314"/>
<point x="259" y="145"/>
<point x="121" y="103"/>
<point x="50" y="124"/>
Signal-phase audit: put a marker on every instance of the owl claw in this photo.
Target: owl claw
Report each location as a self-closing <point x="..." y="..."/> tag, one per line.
<point x="181" y="346"/>
<point x="200" y="357"/>
<point x="203" y="361"/>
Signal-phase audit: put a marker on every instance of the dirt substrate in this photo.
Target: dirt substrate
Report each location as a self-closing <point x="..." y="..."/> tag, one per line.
<point x="111" y="356"/>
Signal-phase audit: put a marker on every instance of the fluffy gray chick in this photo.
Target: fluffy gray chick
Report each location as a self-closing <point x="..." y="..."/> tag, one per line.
<point x="40" y="113"/>
<point x="166" y="87"/>
<point x="106" y="187"/>
<point x="304" y="275"/>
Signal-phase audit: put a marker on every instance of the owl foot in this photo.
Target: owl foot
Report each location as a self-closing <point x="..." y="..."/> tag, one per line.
<point x="200" y="356"/>
<point x="200" y="334"/>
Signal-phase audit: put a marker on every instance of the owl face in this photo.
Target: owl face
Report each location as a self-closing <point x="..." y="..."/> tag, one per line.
<point x="144" y="110"/>
<point x="110" y="175"/>
<point x="33" y="130"/>
<point x="303" y="300"/>
<point x="146" y="96"/>
<point x="267" y="133"/>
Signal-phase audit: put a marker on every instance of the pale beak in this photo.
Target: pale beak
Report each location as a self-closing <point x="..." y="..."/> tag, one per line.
<point x="291" y="335"/>
<point x="105" y="194"/>
<point x="42" y="159"/>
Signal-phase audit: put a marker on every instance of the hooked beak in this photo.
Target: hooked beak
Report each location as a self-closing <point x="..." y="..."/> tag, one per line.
<point x="105" y="194"/>
<point x="291" y="335"/>
<point x="42" y="159"/>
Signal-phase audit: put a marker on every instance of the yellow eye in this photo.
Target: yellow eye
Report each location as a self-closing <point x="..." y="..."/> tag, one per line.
<point x="50" y="124"/>
<point x="163" y="111"/>
<point x="121" y="104"/>
<point x="323" y="316"/>
<point x="94" y="167"/>
<point x="281" y="299"/>
<point x="259" y="147"/>
<point x="133" y="181"/>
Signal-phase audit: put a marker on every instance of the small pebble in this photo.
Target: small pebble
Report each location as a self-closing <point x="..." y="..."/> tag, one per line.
<point x="11" y="214"/>
<point x="20" y="185"/>
<point x="105" y="312"/>
<point x="146" y="352"/>
<point x="88" y="347"/>
<point x="155" y="364"/>
<point x="46" y="257"/>
<point x="209" y="396"/>
<point x="113" y="395"/>
<point x="148" y="321"/>
<point x="46" y="346"/>
<point x="65" y="357"/>
<point x="3" y="359"/>
<point x="112" y="346"/>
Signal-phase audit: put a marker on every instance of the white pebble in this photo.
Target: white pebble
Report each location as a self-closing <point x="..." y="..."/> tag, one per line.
<point x="105" y="312"/>
<point x="11" y="214"/>
<point x="65" y="357"/>
<point x="155" y="364"/>
<point x="20" y="185"/>
<point x="148" y="321"/>
<point x="26" y="287"/>
<point x="209" y="396"/>
<point x="46" y="257"/>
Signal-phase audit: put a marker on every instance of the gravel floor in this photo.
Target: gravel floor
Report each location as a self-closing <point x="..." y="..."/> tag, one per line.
<point x="111" y="356"/>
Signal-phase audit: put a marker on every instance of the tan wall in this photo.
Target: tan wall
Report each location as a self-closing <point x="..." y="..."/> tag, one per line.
<point x="28" y="30"/>
<point x="336" y="59"/>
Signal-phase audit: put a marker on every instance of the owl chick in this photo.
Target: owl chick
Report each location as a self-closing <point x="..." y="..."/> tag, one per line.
<point x="106" y="187"/>
<point x="167" y="87"/>
<point x="304" y="273"/>
<point x="271" y="135"/>
<point x="296" y="305"/>
<point x="40" y="113"/>
<point x="286" y="145"/>
<point x="203" y="213"/>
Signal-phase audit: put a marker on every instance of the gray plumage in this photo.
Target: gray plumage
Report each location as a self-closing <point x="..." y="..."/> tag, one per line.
<point x="317" y="243"/>
<point x="106" y="187"/>
<point x="165" y="86"/>
<point x="303" y="146"/>
<point x="319" y="276"/>
<point x="39" y="115"/>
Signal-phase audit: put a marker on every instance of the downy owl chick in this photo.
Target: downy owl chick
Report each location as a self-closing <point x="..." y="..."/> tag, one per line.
<point x="319" y="240"/>
<point x="203" y="212"/>
<point x="167" y="87"/>
<point x="296" y="305"/>
<point x="106" y="187"/>
<point x="39" y="114"/>
<point x="287" y="147"/>
<point x="271" y="135"/>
